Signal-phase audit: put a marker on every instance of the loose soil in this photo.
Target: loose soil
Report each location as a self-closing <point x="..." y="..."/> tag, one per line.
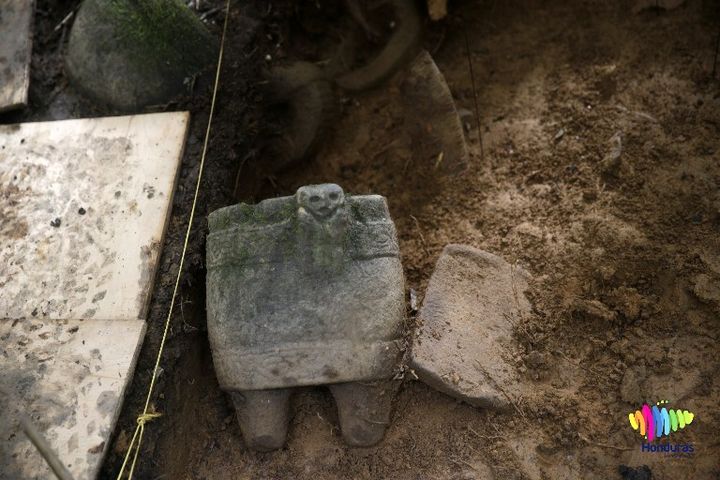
<point x="599" y="176"/>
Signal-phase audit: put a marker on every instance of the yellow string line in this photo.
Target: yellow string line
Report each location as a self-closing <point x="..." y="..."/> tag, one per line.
<point x="148" y="416"/>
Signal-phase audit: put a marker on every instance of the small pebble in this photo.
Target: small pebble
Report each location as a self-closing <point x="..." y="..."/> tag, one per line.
<point x="56" y="223"/>
<point x="81" y="211"/>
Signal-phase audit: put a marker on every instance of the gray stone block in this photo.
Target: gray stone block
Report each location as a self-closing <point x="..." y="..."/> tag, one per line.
<point x="304" y="290"/>
<point x="131" y="54"/>
<point x="464" y="346"/>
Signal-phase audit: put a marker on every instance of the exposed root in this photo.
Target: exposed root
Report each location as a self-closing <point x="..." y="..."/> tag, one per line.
<point x="309" y="97"/>
<point x="397" y="51"/>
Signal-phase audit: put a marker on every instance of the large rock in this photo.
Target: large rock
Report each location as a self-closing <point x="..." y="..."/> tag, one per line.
<point x="464" y="346"/>
<point x="432" y="117"/>
<point x="129" y="54"/>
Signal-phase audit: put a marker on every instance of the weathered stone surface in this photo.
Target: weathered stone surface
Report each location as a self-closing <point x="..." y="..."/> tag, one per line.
<point x="15" y="51"/>
<point x="83" y="209"/>
<point x="464" y="344"/>
<point x="364" y="410"/>
<point x="305" y="290"/>
<point x="132" y="53"/>
<point x="432" y="116"/>
<point x="69" y="377"/>
<point x="263" y="417"/>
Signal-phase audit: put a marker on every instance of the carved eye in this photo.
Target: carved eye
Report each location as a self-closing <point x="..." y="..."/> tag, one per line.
<point x="334" y="196"/>
<point x="314" y="199"/>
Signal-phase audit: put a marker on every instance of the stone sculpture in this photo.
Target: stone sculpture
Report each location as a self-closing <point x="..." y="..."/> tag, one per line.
<point x="306" y="290"/>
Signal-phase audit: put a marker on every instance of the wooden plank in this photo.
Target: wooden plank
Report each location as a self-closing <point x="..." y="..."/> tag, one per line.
<point x="84" y="206"/>
<point x="69" y="377"/>
<point x="15" y="52"/>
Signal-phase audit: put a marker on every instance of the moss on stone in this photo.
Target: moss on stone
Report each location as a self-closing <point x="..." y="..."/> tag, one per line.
<point x="133" y="53"/>
<point x="162" y="34"/>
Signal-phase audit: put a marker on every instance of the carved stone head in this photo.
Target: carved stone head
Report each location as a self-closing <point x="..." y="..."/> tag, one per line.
<point x="322" y="201"/>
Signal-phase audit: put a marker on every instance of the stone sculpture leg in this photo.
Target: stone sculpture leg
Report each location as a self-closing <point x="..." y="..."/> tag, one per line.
<point x="364" y="410"/>
<point x="263" y="417"/>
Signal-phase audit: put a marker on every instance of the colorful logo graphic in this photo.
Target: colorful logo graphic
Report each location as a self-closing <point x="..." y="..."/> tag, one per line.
<point x="657" y="421"/>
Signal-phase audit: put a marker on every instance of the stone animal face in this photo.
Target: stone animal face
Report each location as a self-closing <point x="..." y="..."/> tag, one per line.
<point x="321" y="201"/>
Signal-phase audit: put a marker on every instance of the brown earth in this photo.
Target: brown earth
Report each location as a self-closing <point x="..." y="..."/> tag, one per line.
<point x="600" y="176"/>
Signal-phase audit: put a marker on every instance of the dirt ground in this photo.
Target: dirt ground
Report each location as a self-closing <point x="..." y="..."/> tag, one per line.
<point x="624" y="249"/>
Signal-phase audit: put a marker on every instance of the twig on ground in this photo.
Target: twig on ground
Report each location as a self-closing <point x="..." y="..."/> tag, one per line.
<point x="474" y="89"/>
<point x="384" y="149"/>
<point x="459" y="461"/>
<point x="440" y="41"/>
<point x="644" y="115"/>
<point x="64" y="20"/>
<point x="186" y="326"/>
<point x="487" y="437"/>
<point x="603" y="445"/>
<point x="717" y="47"/>
<point x="495" y="384"/>
<point x="439" y="160"/>
<point x="212" y="11"/>
<point x="577" y="364"/>
<point x="422" y="238"/>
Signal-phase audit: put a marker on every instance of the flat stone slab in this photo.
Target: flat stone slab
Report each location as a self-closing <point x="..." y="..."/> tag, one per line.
<point x="433" y="117"/>
<point x="15" y="52"/>
<point x="464" y="346"/>
<point x="84" y="206"/>
<point x="69" y="377"/>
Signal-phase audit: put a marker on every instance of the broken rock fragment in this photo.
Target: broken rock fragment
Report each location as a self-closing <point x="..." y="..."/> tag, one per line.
<point x="464" y="344"/>
<point x="434" y="123"/>
<point x="130" y="54"/>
